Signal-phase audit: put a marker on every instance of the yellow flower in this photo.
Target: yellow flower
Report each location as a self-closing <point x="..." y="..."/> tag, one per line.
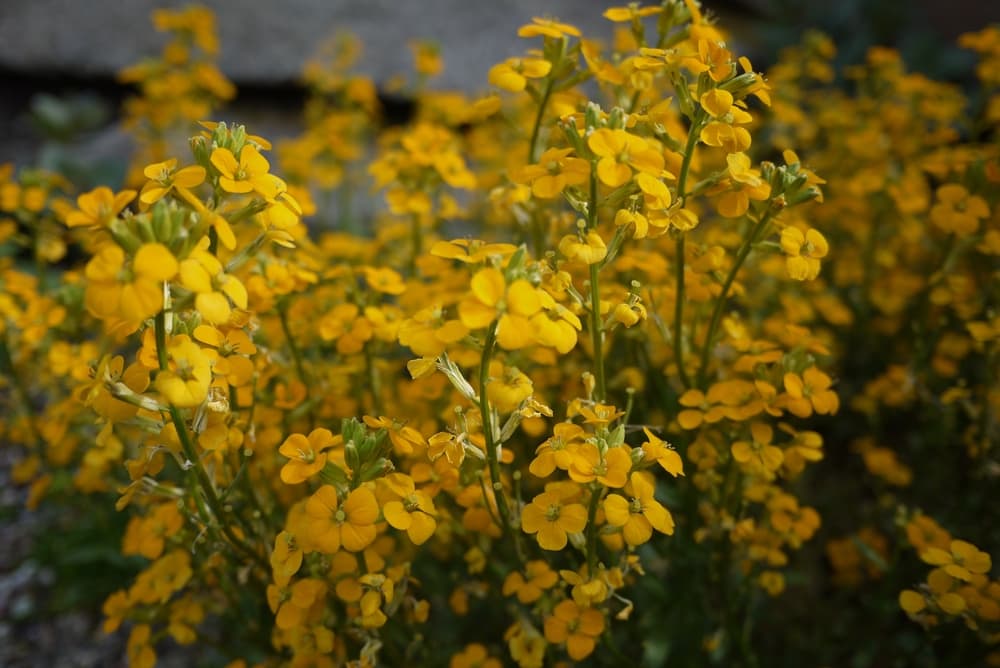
<point x="529" y="587"/>
<point x="130" y="293"/>
<point x="547" y="28"/>
<point x="578" y="627"/>
<point x="98" y="207"/>
<point x="911" y="602"/>
<point x="514" y="303"/>
<point x="286" y="558"/>
<point x="557" y="451"/>
<point x="630" y="13"/>
<point x="164" y="177"/>
<point x="641" y="515"/>
<point x="744" y="184"/>
<point x="306" y="454"/>
<point x="714" y="58"/>
<point x="216" y="291"/>
<point x="619" y="152"/>
<point x="513" y="74"/>
<point x="474" y="656"/>
<point x="717" y="102"/>
<point x="293" y="605"/>
<point x="961" y="560"/>
<point x="428" y="333"/>
<point x="508" y="387"/>
<point x="590" y="250"/>
<point x="957" y="211"/>
<point x="554" y="171"/>
<point x="551" y="519"/>
<point x="234" y="348"/>
<point x="810" y="391"/>
<point x="384" y="280"/>
<point x="139" y="648"/>
<point x="612" y="469"/>
<point x="658" y="450"/>
<point x="351" y="526"/>
<point x="185" y="384"/>
<point x="412" y="512"/>
<point x="804" y="252"/>
<point x="759" y="450"/>
<point x="249" y="174"/>
<point x="923" y="533"/>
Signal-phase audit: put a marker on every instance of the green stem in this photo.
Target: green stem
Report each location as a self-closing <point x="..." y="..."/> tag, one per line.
<point x="596" y="326"/>
<point x="292" y="346"/>
<point x="720" y="303"/>
<point x="374" y="385"/>
<point x="595" y="500"/>
<point x="196" y="472"/>
<point x="536" y="129"/>
<point x="491" y="449"/>
<point x="678" y="340"/>
<point x="692" y="140"/>
<point x="596" y="335"/>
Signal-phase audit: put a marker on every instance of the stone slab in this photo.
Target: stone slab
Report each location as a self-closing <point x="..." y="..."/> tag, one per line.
<point x="268" y="42"/>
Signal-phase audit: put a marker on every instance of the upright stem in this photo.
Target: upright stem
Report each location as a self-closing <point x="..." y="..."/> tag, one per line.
<point x="692" y="140"/>
<point x="535" y="130"/>
<point x="196" y="473"/>
<point x="595" y="499"/>
<point x="720" y="302"/>
<point x="296" y="357"/>
<point x="492" y="457"/>
<point x="292" y="346"/>
<point x="596" y="335"/>
<point x="374" y="385"/>
<point x="678" y="340"/>
<point x="596" y="326"/>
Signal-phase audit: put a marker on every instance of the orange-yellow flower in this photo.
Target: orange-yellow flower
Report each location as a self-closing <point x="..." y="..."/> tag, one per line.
<point x="351" y="525"/>
<point x="513" y="74"/>
<point x="529" y="587"/>
<point x="164" y="177"/>
<point x="306" y="455"/>
<point x="98" y="207"/>
<point x="962" y="560"/>
<point x="641" y="515"/>
<point x="557" y="450"/>
<point x="554" y="171"/>
<point x="551" y="519"/>
<point x="612" y="469"/>
<point x="578" y="627"/>
<point x="658" y="450"/>
<point x="810" y="391"/>
<point x="547" y="28"/>
<point x="132" y="293"/>
<point x="249" y="174"/>
<point x="804" y="251"/>
<point x="413" y="511"/>
<point x="514" y="304"/>
<point x="758" y="451"/>
<point x="185" y="384"/>
<point x="619" y="152"/>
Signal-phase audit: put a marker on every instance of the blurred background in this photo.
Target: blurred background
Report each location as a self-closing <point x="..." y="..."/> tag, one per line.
<point x="59" y="58"/>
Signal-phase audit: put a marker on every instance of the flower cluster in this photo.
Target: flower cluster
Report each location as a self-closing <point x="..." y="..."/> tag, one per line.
<point x="583" y="362"/>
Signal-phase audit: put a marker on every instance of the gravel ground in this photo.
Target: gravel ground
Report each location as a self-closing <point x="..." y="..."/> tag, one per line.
<point x="29" y="635"/>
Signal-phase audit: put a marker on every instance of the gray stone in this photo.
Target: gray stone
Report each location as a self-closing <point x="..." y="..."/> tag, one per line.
<point x="268" y="42"/>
